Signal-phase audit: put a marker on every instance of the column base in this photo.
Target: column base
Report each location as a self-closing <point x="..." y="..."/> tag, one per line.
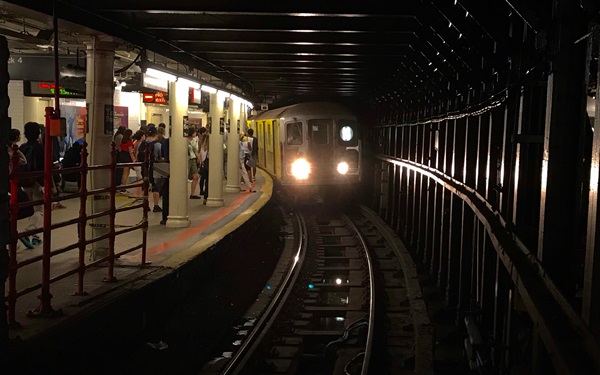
<point x="97" y="252"/>
<point x="215" y="202"/>
<point x="232" y="188"/>
<point x="178" y="221"/>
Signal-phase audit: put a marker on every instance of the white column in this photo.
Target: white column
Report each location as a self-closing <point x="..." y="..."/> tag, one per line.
<point x="244" y="118"/>
<point x="99" y="97"/>
<point x="178" y="156"/>
<point x="215" y="151"/>
<point x="143" y="110"/>
<point x="31" y="112"/>
<point x="233" y="145"/>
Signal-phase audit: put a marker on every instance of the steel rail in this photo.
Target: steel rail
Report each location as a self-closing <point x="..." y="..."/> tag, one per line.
<point x="372" y="304"/>
<point x="243" y="354"/>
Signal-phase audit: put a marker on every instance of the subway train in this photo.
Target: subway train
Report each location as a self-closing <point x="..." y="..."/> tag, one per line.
<point x="312" y="150"/>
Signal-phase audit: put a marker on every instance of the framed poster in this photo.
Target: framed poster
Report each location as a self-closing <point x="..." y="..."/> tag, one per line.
<point x="186" y="126"/>
<point x="121" y="116"/>
<point x="75" y="118"/>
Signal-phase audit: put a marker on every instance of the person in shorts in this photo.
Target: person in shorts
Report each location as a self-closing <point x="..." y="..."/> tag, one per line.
<point x="193" y="162"/>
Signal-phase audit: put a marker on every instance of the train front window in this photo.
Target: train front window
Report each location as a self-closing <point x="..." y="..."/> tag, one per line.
<point x="294" y="133"/>
<point x="320" y="131"/>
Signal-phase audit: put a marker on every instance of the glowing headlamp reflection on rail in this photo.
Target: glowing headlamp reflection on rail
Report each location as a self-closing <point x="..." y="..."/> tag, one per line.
<point x="300" y="169"/>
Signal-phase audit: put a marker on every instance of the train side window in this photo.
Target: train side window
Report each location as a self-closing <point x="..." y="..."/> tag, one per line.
<point x="320" y="131"/>
<point x="294" y="133"/>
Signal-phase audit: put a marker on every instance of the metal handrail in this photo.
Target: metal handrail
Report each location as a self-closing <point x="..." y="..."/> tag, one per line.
<point x="81" y="221"/>
<point x="571" y="348"/>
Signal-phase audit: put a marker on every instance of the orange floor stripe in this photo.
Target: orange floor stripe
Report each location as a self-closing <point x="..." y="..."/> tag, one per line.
<point x="184" y="235"/>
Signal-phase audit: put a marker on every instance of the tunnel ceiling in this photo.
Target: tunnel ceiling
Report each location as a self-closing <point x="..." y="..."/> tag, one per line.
<point x="356" y="51"/>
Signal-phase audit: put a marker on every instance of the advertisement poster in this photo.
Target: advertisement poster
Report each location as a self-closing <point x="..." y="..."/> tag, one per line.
<point x="121" y="116"/>
<point x="195" y="122"/>
<point x="185" y="126"/>
<point x="75" y="118"/>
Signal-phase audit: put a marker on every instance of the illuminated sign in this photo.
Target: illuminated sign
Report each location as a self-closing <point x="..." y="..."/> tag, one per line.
<point x="46" y="89"/>
<point x="50" y="86"/>
<point x="195" y="96"/>
<point x="158" y="97"/>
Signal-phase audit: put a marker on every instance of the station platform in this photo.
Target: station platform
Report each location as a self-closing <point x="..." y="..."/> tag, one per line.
<point x="168" y="249"/>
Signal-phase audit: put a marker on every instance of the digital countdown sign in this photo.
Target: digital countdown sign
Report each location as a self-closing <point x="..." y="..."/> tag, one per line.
<point x="46" y="89"/>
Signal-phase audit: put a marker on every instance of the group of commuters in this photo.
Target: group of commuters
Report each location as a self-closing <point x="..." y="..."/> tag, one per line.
<point x="198" y="157"/>
<point x="133" y="148"/>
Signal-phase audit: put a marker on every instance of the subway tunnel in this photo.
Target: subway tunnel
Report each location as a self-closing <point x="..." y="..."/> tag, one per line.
<point x="478" y="118"/>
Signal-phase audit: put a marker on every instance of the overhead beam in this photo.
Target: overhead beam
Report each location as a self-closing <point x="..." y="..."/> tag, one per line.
<point x="527" y="13"/>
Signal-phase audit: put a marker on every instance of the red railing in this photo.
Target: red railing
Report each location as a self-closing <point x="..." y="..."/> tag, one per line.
<point x="82" y="220"/>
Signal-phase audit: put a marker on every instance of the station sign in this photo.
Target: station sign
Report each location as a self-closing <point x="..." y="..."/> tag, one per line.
<point x="36" y="67"/>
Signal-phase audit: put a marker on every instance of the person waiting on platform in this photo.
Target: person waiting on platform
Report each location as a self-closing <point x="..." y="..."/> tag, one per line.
<point x="138" y="137"/>
<point x="72" y="159"/>
<point x="242" y="163"/>
<point x="203" y="168"/>
<point x="156" y="180"/>
<point x="34" y="187"/>
<point x="117" y="138"/>
<point x="193" y="160"/>
<point x="253" y="159"/>
<point x="161" y="134"/>
<point x="126" y="155"/>
<point x="14" y="136"/>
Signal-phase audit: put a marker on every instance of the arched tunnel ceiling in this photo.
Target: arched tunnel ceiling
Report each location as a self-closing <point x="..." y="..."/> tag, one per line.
<point x="285" y="52"/>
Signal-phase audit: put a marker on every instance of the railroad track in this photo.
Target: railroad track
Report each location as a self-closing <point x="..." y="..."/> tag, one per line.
<point x="344" y="299"/>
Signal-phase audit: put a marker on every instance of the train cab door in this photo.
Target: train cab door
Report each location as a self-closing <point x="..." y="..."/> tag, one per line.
<point x="320" y="147"/>
<point x="269" y="154"/>
<point x="277" y="147"/>
<point x="260" y="133"/>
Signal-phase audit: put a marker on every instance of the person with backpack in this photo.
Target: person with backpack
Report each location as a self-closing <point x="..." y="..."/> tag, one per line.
<point x="33" y="186"/>
<point x="72" y="159"/>
<point x="156" y="181"/>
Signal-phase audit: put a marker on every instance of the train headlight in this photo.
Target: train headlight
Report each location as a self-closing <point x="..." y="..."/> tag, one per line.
<point x="300" y="169"/>
<point x="342" y="167"/>
<point x="346" y="133"/>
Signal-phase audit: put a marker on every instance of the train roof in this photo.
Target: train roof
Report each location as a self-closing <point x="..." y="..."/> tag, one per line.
<point x="302" y="109"/>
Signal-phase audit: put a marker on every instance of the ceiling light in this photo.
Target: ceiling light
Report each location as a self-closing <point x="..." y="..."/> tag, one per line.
<point x="160" y="74"/>
<point x="186" y="81"/>
<point x="208" y="89"/>
<point x="223" y="94"/>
